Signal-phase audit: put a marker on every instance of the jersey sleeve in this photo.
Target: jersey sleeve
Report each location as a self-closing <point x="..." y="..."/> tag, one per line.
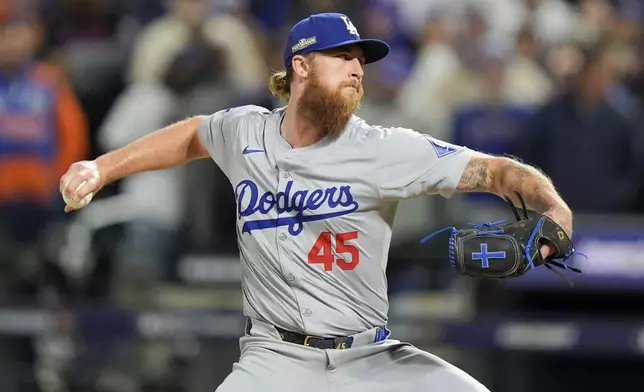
<point x="412" y="164"/>
<point x="220" y="131"/>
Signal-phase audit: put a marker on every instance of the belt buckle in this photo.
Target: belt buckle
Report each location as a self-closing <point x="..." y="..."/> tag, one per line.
<point x="309" y="337"/>
<point x="338" y="343"/>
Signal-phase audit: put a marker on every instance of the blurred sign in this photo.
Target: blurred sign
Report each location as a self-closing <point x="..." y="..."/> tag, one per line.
<point x="554" y="334"/>
<point x="28" y="322"/>
<point x="169" y="325"/>
<point x="537" y="335"/>
<point x="209" y="269"/>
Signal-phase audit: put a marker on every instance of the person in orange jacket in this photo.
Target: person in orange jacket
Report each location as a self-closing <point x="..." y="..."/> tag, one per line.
<point x="43" y="128"/>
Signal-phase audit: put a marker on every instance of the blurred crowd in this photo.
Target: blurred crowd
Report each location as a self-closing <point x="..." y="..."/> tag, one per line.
<point x="556" y="83"/>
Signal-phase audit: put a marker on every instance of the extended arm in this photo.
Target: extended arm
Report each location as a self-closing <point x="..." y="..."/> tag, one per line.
<point x="503" y="176"/>
<point x="174" y="145"/>
<point x="171" y="146"/>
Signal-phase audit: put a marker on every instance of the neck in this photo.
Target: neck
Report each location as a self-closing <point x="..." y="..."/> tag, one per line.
<point x="298" y="130"/>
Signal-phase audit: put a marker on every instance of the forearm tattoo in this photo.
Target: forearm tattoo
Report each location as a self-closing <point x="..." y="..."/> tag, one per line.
<point x="476" y="176"/>
<point x="504" y="177"/>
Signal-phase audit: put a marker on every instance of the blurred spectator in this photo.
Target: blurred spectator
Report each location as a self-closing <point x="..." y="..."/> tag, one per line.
<point x="635" y="78"/>
<point x="42" y="128"/>
<point x="629" y="16"/>
<point x="42" y="131"/>
<point x="526" y="82"/>
<point x="479" y="75"/>
<point x="505" y="90"/>
<point x="76" y="20"/>
<point x="186" y="20"/>
<point x="421" y="96"/>
<point x="503" y="19"/>
<point x="83" y="40"/>
<point x="381" y="19"/>
<point x="564" y="63"/>
<point x="469" y="69"/>
<point x="589" y="139"/>
<point x="596" y="19"/>
<point x="270" y="15"/>
<point x="553" y="21"/>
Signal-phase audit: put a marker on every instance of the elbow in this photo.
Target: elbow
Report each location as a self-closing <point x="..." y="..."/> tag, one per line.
<point x="196" y="147"/>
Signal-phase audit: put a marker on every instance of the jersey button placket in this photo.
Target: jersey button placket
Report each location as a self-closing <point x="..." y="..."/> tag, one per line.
<point x="282" y="236"/>
<point x="282" y="178"/>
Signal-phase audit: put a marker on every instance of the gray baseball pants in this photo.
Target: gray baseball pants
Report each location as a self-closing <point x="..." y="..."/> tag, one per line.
<point x="269" y="364"/>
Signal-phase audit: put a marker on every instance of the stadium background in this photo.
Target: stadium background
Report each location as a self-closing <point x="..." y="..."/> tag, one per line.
<point x="140" y="291"/>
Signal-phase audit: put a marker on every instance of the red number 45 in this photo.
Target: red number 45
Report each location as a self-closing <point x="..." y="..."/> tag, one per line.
<point x="322" y="251"/>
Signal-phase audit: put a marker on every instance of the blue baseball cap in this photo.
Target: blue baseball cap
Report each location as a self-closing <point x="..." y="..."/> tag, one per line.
<point x="326" y="31"/>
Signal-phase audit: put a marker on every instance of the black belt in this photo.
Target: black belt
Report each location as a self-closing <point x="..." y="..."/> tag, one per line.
<point x="338" y="343"/>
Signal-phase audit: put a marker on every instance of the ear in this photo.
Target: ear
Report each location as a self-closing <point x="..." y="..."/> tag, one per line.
<point x="301" y="66"/>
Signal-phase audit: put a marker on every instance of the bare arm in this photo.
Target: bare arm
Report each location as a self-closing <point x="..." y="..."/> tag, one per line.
<point x="171" y="146"/>
<point x="503" y="176"/>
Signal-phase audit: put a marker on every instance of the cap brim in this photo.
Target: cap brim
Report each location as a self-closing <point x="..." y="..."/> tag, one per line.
<point x="373" y="49"/>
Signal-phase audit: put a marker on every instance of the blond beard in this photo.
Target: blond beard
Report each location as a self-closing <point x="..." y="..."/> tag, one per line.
<point x="329" y="109"/>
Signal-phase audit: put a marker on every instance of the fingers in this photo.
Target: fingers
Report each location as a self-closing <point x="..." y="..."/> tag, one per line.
<point x="546" y="251"/>
<point x="69" y="183"/>
<point x="90" y="186"/>
<point x="82" y="179"/>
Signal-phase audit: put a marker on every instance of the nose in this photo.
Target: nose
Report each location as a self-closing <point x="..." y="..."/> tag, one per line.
<point x="356" y="69"/>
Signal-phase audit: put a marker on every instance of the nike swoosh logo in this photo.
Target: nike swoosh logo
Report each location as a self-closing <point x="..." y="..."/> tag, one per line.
<point x="250" y="151"/>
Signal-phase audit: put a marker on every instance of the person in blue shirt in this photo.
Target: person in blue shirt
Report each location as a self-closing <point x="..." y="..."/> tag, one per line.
<point x="590" y="140"/>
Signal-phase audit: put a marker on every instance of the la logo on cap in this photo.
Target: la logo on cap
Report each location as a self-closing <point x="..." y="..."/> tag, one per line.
<point x="352" y="29"/>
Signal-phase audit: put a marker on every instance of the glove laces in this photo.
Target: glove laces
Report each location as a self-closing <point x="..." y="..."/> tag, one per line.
<point x="454" y="230"/>
<point x="428" y="237"/>
<point x="486" y="224"/>
<point x="562" y="264"/>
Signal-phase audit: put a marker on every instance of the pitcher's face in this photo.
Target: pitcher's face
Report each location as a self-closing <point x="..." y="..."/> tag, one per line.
<point x="333" y="90"/>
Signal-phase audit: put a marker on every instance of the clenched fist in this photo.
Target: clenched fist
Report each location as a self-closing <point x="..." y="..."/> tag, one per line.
<point x="81" y="182"/>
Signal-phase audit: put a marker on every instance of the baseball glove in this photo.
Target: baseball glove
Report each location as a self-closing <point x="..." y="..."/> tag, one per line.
<point x="497" y="250"/>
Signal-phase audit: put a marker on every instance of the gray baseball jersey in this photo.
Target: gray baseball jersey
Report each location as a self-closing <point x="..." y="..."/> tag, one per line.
<point x="314" y="224"/>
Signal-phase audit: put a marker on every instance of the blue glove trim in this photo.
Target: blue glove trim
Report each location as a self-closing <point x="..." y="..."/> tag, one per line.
<point x="528" y="248"/>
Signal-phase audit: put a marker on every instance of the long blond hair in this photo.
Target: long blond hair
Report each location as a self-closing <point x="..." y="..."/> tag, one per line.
<point x="280" y="84"/>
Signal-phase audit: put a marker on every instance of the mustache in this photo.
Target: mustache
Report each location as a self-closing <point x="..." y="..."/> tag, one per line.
<point x="355" y="84"/>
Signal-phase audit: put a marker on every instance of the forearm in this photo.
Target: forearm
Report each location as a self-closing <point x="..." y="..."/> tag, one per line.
<point x="171" y="146"/>
<point x="505" y="176"/>
<point x="537" y="190"/>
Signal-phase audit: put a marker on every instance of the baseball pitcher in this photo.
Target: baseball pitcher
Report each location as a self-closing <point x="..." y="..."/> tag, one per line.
<point x="317" y="189"/>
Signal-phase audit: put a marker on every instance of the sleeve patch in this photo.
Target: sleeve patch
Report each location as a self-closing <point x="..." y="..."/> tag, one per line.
<point x="442" y="149"/>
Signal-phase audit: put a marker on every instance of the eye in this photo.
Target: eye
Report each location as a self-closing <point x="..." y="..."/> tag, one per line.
<point x="349" y="57"/>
